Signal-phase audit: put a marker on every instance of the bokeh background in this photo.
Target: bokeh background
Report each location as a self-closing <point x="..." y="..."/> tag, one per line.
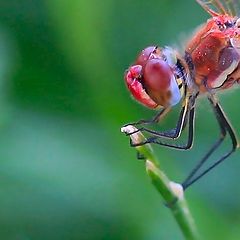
<point x="66" y="171"/>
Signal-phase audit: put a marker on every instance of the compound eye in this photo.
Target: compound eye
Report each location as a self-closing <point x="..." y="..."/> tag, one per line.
<point x="146" y="54"/>
<point x="160" y="83"/>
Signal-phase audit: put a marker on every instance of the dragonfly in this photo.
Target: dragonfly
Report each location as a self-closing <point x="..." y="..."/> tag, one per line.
<point x="162" y="77"/>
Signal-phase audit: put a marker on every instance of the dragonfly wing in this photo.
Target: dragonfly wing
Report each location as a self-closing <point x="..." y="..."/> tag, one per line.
<point x="218" y="7"/>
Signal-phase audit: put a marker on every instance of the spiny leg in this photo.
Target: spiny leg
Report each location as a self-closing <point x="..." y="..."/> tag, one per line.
<point x="223" y="133"/>
<point x="159" y="116"/>
<point x="225" y="127"/>
<point x="190" y="138"/>
<point x="186" y="182"/>
<point x="175" y="132"/>
<point x="156" y="139"/>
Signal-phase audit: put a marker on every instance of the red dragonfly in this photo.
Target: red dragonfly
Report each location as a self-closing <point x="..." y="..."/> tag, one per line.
<point x="160" y="78"/>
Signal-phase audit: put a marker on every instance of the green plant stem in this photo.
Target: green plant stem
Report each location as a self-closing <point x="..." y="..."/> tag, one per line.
<point x="171" y="192"/>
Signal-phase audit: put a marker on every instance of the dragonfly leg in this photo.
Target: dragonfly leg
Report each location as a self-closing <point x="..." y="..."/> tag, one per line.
<point x="175" y="133"/>
<point x="225" y="127"/>
<point x="159" y="116"/>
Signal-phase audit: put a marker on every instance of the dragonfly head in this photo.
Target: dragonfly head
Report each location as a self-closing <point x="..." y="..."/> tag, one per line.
<point x="154" y="80"/>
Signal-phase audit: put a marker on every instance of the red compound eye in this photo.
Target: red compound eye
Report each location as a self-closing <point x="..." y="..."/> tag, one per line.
<point x="157" y="81"/>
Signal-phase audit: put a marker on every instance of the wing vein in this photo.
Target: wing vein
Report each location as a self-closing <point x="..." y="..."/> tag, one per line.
<point x="219" y="7"/>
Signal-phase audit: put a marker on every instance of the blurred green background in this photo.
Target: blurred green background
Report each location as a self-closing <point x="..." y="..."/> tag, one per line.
<point x="66" y="171"/>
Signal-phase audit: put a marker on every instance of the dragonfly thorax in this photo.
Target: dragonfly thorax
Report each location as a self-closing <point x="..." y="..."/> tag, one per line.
<point x="214" y="53"/>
